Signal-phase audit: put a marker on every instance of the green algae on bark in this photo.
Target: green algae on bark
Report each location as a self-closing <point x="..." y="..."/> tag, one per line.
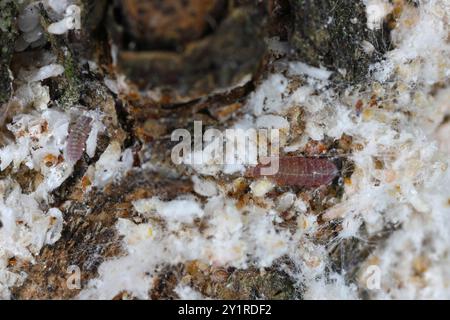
<point x="8" y="34"/>
<point x="331" y="33"/>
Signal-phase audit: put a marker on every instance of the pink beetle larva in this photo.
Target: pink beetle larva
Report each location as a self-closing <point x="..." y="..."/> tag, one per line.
<point x="78" y="134"/>
<point x="300" y="171"/>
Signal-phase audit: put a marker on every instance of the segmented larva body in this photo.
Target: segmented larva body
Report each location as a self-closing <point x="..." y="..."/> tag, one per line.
<point x="78" y="134"/>
<point x="300" y="171"/>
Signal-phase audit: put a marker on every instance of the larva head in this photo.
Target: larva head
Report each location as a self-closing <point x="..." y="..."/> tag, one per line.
<point x="327" y="171"/>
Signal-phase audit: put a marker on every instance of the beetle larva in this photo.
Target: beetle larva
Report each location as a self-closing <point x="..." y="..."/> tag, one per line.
<point x="300" y="171"/>
<point x="78" y="135"/>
